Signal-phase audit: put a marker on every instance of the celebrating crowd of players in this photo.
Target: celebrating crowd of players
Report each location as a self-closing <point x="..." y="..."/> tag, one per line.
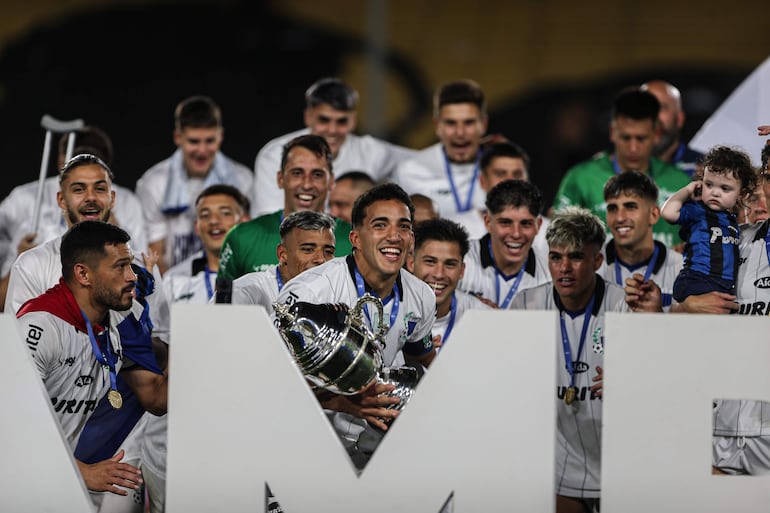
<point x="432" y="233"/>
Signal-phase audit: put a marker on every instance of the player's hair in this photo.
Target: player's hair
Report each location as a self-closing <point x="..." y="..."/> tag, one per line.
<point x="197" y="112"/>
<point x="631" y="183"/>
<point x="573" y="228"/>
<point x="723" y="160"/>
<point x="89" y="139"/>
<point x="357" y="179"/>
<point x="83" y="159"/>
<point x="765" y="156"/>
<point x="382" y="192"/>
<point x="306" y="220"/>
<point x="636" y="104"/>
<point x="423" y="201"/>
<point x="227" y="190"/>
<point x="460" y="91"/>
<point x="503" y="149"/>
<point x="85" y="243"/>
<point x="332" y="92"/>
<point x="442" y="230"/>
<point x="514" y="193"/>
<point x="316" y="144"/>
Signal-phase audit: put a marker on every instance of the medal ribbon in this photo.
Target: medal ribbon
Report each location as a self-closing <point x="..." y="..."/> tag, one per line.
<point x="467" y="206"/>
<point x="498" y="274"/>
<point x="108" y="359"/>
<point x="647" y="273"/>
<point x="565" y="341"/>
<point x="278" y="278"/>
<point x="452" y="315"/>
<point x="396" y="302"/>
<point x="767" y="243"/>
<point x="207" y="278"/>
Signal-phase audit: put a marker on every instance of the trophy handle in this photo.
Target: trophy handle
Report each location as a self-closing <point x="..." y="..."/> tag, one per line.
<point x="357" y="313"/>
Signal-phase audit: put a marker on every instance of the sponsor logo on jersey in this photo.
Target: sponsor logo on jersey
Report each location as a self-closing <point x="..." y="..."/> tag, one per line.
<point x="718" y="236"/>
<point x="83" y="381"/>
<point x="64" y="405"/>
<point x="763" y="283"/>
<point x="583" y="394"/>
<point x="756" y="308"/>
<point x="69" y="361"/>
<point x="578" y="367"/>
<point x="34" y="333"/>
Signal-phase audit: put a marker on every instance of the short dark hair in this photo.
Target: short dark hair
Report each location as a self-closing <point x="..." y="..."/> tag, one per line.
<point x="382" y="192"/>
<point x="197" y="112"/>
<point x="227" y="190"/>
<point x="83" y="159"/>
<point x="460" y="91"/>
<point x="442" y="230"/>
<point x="503" y="149"/>
<point x="85" y="243"/>
<point x="357" y="177"/>
<point x="765" y="158"/>
<point x="633" y="102"/>
<point x="632" y="183"/>
<point x="89" y="139"/>
<point x="313" y="143"/>
<point x="514" y="193"/>
<point x="333" y="92"/>
<point x="723" y="160"/>
<point x="308" y="220"/>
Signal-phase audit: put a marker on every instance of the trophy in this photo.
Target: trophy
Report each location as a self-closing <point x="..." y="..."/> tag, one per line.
<point x="337" y="350"/>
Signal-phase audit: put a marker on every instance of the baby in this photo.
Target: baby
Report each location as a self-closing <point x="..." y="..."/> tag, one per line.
<point x="706" y="211"/>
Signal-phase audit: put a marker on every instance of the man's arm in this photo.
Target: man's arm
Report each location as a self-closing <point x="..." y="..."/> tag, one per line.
<point x="107" y="475"/>
<point x="643" y="296"/>
<point x="150" y="388"/>
<point x="159" y="247"/>
<point x="710" y="303"/>
<point x="371" y="404"/>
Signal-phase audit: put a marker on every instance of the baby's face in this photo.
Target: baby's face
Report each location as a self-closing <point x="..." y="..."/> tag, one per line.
<point x="720" y="191"/>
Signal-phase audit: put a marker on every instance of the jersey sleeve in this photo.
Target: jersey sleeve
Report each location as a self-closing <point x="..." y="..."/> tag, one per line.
<point x="266" y="197"/>
<point x="23" y="284"/>
<point x="43" y="340"/>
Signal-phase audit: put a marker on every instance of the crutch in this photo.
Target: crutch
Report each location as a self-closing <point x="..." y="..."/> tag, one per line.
<point x="52" y="125"/>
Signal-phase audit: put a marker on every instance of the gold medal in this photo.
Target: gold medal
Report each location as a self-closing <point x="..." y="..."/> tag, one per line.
<point x="115" y="399"/>
<point x="569" y="395"/>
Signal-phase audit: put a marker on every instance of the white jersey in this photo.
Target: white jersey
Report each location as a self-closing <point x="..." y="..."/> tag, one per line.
<point x="426" y="174"/>
<point x="741" y="443"/>
<point x="579" y="425"/>
<point x="177" y="229"/>
<point x="482" y="278"/>
<point x="373" y="156"/>
<point x="666" y="268"/>
<point x="257" y="288"/>
<point x="17" y="212"/>
<point x="464" y="302"/>
<point x="63" y="356"/>
<point x="190" y="281"/>
<point x="39" y="269"/>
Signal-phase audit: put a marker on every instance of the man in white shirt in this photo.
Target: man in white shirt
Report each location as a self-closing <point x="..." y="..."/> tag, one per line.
<point x="330" y="111"/>
<point x="439" y="248"/>
<point x="217" y="209"/>
<point x="448" y="171"/>
<point x="168" y="188"/>
<point x="75" y="336"/>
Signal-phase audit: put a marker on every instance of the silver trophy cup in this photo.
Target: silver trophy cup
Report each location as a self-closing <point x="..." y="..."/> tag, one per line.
<point x="337" y="350"/>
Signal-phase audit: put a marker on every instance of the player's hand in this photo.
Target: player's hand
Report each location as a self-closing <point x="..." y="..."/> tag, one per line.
<point x="597" y="388"/>
<point x="487" y="302"/>
<point x="643" y="296"/>
<point x="437" y="342"/>
<point x="150" y="259"/>
<point x="710" y="303"/>
<point x="108" y="475"/>
<point x="763" y="130"/>
<point x="27" y="242"/>
<point x="371" y="404"/>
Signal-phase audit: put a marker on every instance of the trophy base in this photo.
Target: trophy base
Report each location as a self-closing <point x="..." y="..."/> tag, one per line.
<point x="405" y="380"/>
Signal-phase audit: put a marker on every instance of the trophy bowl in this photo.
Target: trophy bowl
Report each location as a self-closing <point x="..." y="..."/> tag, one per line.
<point x="334" y="348"/>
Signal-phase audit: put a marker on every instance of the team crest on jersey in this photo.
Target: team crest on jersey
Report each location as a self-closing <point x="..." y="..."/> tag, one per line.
<point x="598" y="341"/>
<point x="408" y="328"/>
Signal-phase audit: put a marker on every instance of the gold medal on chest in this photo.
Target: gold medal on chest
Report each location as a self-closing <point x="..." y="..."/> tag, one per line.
<point x="115" y="399"/>
<point x="569" y="395"/>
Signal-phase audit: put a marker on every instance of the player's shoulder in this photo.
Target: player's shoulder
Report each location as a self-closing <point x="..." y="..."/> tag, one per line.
<point x="276" y="144"/>
<point x="156" y="175"/>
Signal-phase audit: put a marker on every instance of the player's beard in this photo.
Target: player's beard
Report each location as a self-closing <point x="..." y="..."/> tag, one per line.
<point x="74" y="216"/>
<point x="113" y="300"/>
<point x="667" y="138"/>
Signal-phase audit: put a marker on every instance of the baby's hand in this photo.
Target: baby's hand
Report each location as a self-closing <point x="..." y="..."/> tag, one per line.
<point x="694" y="188"/>
<point x="763" y="130"/>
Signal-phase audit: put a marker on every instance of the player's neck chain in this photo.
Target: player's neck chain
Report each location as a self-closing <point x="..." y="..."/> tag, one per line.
<point x="466" y="206"/>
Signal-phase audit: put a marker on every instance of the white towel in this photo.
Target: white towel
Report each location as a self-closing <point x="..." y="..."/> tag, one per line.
<point x="176" y="197"/>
